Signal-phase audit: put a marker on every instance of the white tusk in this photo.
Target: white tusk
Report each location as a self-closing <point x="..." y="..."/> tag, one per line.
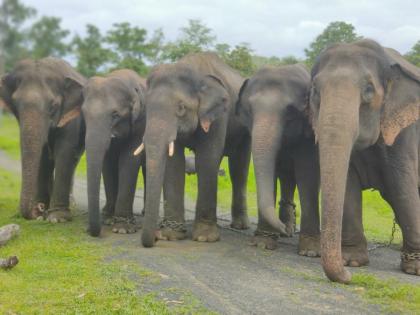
<point x="171" y="148"/>
<point x="139" y="149"/>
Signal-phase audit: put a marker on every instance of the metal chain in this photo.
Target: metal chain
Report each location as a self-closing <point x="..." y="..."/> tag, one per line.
<point x="391" y="239"/>
<point x="174" y="225"/>
<point x="129" y="220"/>
<point x="269" y="234"/>
<point x="406" y="257"/>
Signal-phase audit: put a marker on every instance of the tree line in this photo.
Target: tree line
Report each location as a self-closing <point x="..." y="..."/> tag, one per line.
<point x="23" y="34"/>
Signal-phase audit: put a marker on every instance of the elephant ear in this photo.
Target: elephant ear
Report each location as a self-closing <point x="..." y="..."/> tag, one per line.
<point x="139" y="103"/>
<point x="72" y="98"/>
<point x="402" y="100"/>
<point x="7" y="87"/>
<point x="238" y="104"/>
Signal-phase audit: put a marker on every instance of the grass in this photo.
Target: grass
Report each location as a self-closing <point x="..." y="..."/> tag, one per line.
<point x="377" y="215"/>
<point x="64" y="271"/>
<point x="393" y="296"/>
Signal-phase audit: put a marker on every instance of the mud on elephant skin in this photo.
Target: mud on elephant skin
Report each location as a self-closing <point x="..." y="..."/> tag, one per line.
<point x="365" y="104"/>
<point x="273" y="106"/>
<point x="45" y="96"/>
<point x="191" y="104"/>
<point x="114" y="112"/>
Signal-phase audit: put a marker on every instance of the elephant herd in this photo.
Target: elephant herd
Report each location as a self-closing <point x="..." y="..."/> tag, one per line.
<point x="349" y="125"/>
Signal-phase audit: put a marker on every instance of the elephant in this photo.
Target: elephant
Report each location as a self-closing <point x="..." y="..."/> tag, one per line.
<point x="45" y="95"/>
<point x="190" y="166"/>
<point x="191" y="104"/>
<point x="115" y="117"/>
<point x="365" y="105"/>
<point x="272" y="104"/>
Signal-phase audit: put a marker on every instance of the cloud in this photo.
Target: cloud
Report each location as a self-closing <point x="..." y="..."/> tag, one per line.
<point x="271" y="27"/>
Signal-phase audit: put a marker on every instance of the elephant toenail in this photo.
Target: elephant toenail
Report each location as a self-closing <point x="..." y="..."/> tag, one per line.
<point x="201" y="238"/>
<point x="354" y="263"/>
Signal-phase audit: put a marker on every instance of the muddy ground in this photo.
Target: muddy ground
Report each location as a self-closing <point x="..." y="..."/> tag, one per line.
<point x="232" y="277"/>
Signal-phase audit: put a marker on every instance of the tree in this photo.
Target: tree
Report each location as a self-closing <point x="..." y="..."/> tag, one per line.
<point x="195" y="37"/>
<point x="335" y="32"/>
<point x="130" y="47"/>
<point x="414" y="54"/>
<point x="46" y="37"/>
<point x="91" y="56"/>
<point x="155" y="46"/>
<point x="13" y="16"/>
<point x="260" y="61"/>
<point x="239" y="58"/>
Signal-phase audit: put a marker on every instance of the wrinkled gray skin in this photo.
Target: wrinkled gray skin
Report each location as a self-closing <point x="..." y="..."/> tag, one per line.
<point x="114" y="112"/>
<point x="192" y="102"/>
<point x="365" y="102"/>
<point x="45" y="97"/>
<point x="273" y="106"/>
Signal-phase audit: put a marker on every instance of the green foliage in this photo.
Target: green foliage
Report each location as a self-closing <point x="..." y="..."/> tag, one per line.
<point x="196" y="37"/>
<point x="130" y="47"/>
<point x="414" y="54"/>
<point x="92" y="56"/>
<point x="260" y="61"/>
<point x="335" y="32"/>
<point x="13" y="35"/>
<point x="46" y="37"/>
<point x="240" y="58"/>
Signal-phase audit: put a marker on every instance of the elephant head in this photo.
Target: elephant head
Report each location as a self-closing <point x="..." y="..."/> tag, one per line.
<point x="361" y="94"/>
<point x="179" y="99"/>
<point x="272" y="105"/>
<point x="43" y="95"/>
<point x="113" y="108"/>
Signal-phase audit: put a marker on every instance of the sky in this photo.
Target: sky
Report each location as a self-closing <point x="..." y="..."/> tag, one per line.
<point x="272" y="28"/>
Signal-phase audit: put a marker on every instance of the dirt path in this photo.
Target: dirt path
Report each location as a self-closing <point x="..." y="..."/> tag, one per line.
<point x="231" y="277"/>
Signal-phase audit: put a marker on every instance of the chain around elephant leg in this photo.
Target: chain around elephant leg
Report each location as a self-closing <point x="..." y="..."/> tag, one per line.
<point x="171" y="230"/>
<point x="410" y="263"/>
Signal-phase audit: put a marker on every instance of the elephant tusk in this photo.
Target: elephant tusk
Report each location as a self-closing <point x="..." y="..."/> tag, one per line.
<point x="171" y="148"/>
<point x="139" y="149"/>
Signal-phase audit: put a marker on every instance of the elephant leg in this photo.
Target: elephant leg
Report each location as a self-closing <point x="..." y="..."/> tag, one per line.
<point x="45" y="181"/>
<point x="265" y="236"/>
<point x="354" y="245"/>
<point x="110" y="177"/>
<point x="307" y="178"/>
<point x="401" y="173"/>
<point x="172" y="226"/>
<point x="207" y="161"/>
<point x="128" y="170"/>
<point x="67" y="152"/>
<point x="238" y="169"/>
<point x="287" y="205"/>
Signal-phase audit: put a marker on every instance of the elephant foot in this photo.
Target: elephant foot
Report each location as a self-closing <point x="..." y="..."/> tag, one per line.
<point x="172" y="230"/>
<point x="309" y="245"/>
<point x="410" y="263"/>
<point x="240" y="222"/>
<point x="37" y="212"/>
<point x="288" y="216"/>
<point x="107" y="216"/>
<point x="355" y="255"/>
<point x="265" y="239"/>
<point x="9" y="262"/>
<point x="124" y="225"/>
<point x="205" y="232"/>
<point x="59" y="216"/>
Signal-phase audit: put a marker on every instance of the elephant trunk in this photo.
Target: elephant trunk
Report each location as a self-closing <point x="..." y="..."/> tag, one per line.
<point x="337" y="130"/>
<point x="97" y="143"/>
<point x="158" y="143"/>
<point x="33" y="138"/>
<point x="266" y="140"/>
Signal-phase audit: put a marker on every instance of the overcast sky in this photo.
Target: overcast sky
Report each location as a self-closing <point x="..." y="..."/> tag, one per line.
<point x="271" y="27"/>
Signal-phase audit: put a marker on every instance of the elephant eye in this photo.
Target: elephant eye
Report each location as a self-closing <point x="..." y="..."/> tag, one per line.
<point x="180" y="111"/>
<point x="115" y="115"/>
<point x="368" y="93"/>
